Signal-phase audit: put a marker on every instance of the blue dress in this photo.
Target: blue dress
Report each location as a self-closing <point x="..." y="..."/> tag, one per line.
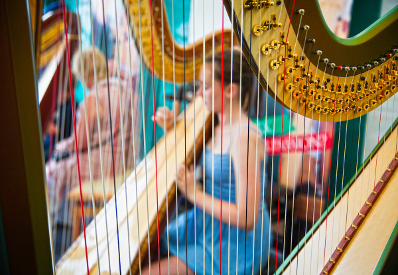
<point x="234" y="243"/>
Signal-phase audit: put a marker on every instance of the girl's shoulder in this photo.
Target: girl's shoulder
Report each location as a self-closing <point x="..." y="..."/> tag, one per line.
<point x="248" y="131"/>
<point x="245" y="134"/>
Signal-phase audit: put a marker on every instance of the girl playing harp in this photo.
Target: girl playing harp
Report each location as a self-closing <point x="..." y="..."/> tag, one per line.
<point x="253" y="221"/>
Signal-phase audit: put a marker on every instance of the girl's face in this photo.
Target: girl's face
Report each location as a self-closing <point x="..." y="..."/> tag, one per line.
<point x="206" y="89"/>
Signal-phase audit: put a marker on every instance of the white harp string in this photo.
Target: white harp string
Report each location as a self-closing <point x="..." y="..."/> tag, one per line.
<point x="230" y="144"/>
<point x="134" y="147"/>
<point x="122" y="132"/>
<point x="255" y="183"/>
<point x="204" y="144"/>
<point x="239" y="136"/>
<point x="144" y="136"/>
<point x="175" y="123"/>
<point x="288" y="158"/>
<point x="323" y="172"/>
<point x="87" y="133"/>
<point x="165" y="135"/>
<point x="100" y="143"/>
<point x="309" y="164"/>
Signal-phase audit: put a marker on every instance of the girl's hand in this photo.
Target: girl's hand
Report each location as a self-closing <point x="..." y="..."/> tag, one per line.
<point x="180" y="181"/>
<point x="165" y="115"/>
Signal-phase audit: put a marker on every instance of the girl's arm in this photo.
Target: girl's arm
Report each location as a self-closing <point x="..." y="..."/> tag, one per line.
<point x="253" y="198"/>
<point x="247" y="157"/>
<point x="91" y="118"/>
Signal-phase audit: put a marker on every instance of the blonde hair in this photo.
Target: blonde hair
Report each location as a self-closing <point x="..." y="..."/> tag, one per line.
<point x="86" y="57"/>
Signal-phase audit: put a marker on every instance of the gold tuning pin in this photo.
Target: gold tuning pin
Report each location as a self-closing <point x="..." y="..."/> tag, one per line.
<point x="275" y="44"/>
<point x="258" y="30"/>
<point x="289" y="70"/>
<point x="289" y="87"/>
<point x="297" y="79"/>
<point x="274" y="64"/>
<point x="266" y="48"/>
<point x="281" y="59"/>
<point x="282" y="77"/>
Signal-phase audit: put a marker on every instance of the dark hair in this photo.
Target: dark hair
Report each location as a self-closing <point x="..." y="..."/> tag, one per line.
<point x="245" y="77"/>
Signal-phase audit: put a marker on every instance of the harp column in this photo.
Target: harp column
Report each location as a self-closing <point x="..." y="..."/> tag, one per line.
<point x="24" y="224"/>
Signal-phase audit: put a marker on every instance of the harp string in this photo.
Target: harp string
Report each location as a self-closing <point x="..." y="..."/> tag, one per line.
<point x="330" y="165"/>
<point x="112" y="141"/>
<point x="396" y="143"/>
<point x="154" y="133"/>
<point x="74" y="126"/>
<point x="337" y="165"/>
<point x="100" y="143"/>
<point x="366" y="128"/>
<point x="378" y="138"/>
<point x="305" y="28"/>
<point x="392" y="114"/>
<point x="222" y="124"/>
<point x="264" y="177"/>
<point x="309" y="163"/>
<point x="323" y="172"/>
<point x="212" y="148"/>
<point x="53" y="231"/>
<point x="204" y="141"/>
<point x="359" y="138"/>
<point x="272" y="167"/>
<point x="323" y="169"/>
<point x="309" y="169"/>
<point x="273" y="152"/>
<point x="134" y="148"/>
<point x="165" y="139"/>
<point x="342" y="180"/>
<point x="280" y="161"/>
<point x="248" y="136"/>
<point x="194" y="127"/>
<point x="63" y="90"/>
<point x="373" y="126"/>
<point x="54" y="88"/>
<point x="255" y="185"/>
<point x="122" y="133"/>
<point x="239" y="137"/>
<point x="185" y="144"/>
<point x="338" y="162"/>
<point x="288" y="159"/>
<point x="144" y="138"/>
<point x="87" y="133"/>
<point x="302" y="155"/>
<point x="384" y="137"/>
<point x="175" y="110"/>
<point x="230" y="144"/>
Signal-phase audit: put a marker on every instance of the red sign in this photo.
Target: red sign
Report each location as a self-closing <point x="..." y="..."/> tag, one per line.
<point x="300" y="143"/>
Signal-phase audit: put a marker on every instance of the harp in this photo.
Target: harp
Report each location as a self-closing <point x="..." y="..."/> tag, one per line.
<point x="52" y="54"/>
<point x="300" y="87"/>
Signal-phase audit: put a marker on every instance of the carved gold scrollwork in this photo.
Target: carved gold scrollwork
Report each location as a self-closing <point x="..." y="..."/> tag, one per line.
<point x="253" y="4"/>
